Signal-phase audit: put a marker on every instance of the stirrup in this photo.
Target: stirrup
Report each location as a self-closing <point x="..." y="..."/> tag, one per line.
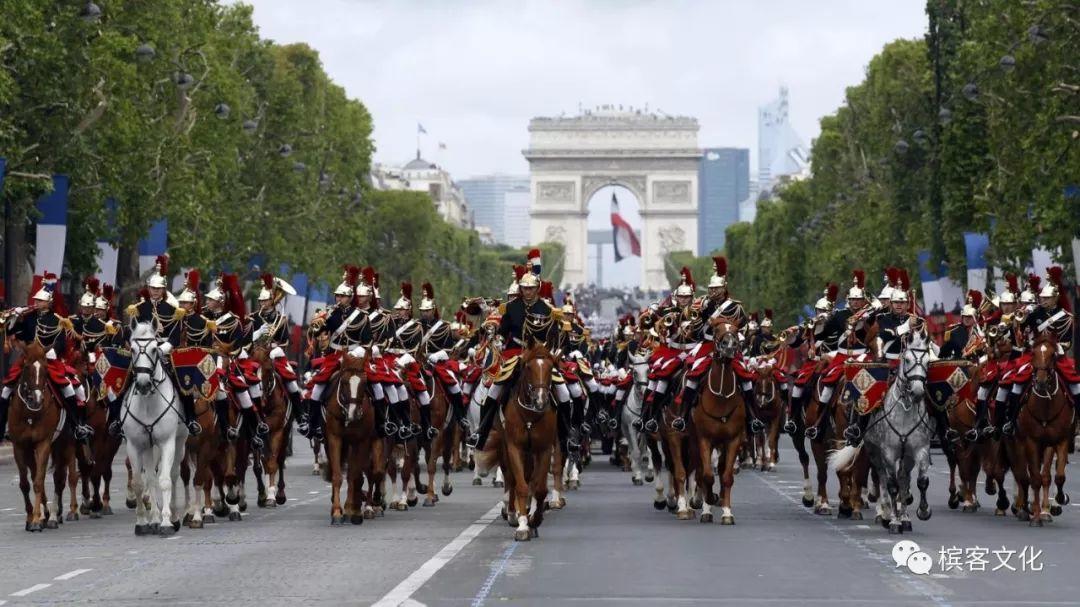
<point x="612" y="423"/>
<point x="790" y="427"/>
<point x="194" y="429"/>
<point x="638" y="424"/>
<point x="951" y="435"/>
<point x="232" y="433"/>
<point x="432" y="432"/>
<point x="852" y="433"/>
<point x="586" y="428"/>
<point x="972" y="435"/>
<point x="116" y="429"/>
<point x="472" y="440"/>
<point x="303" y="426"/>
<point x="82" y="431"/>
<point x="811" y="433"/>
<point x="651" y="426"/>
<point x="262" y="428"/>
<point x="678" y="424"/>
<point x="1008" y="429"/>
<point x="257" y="441"/>
<point x="757" y="426"/>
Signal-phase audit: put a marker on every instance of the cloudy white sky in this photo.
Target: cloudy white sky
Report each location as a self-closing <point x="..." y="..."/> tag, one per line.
<point x="474" y="73"/>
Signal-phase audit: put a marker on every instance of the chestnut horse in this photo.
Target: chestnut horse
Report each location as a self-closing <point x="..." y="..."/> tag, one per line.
<point x="442" y="445"/>
<point x="524" y="441"/>
<point x="973" y="456"/>
<point x="36" y="420"/>
<point x="769" y="411"/>
<point x="352" y="444"/>
<point x="719" y="422"/>
<point x="203" y="467"/>
<point x="278" y="414"/>
<point x="1044" y="430"/>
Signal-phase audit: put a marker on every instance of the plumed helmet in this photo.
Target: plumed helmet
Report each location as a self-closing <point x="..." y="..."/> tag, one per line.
<point x="1055" y="287"/>
<point x="828" y="298"/>
<point x="348" y="281"/>
<point x="1028" y="295"/>
<point x="218" y="293"/>
<point x="513" y="289"/>
<point x="90" y="292"/>
<point x="44" y="287"/>
<point x="104" y="301"/>
<point x="529" y="279"/>
<point x="686" y="287"/>
<point x="366" y="286"/>
<point x="1011" y="289"/>
<point x="568" y="304"/>
<point x="547" y="290"/>
<point x="719" y="277"/>
<point x="972" y="304"/>
<point x="405" y="301"/>
<point x="427" y="297"/>
<point x="901" y="286"/>
<point x="858" y="285"/>
<point x="767" y="320"/>
<point x="190" y="294"/>
<point x="889" y="280"/>
<point x="158" y="277"/>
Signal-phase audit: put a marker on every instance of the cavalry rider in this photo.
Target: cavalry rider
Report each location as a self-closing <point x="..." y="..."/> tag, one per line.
<point x="1051" y="317"/>
<point x="86" y="325"/>
<point x="197" y="331"/>
<point x="41" y="324"/>
<point x="1001" y="373"/>
<point x="272" y="322"/>
<point x="409" y="336"/>
<point x="382" y="371"/>
<point x="347" y="328"/>
<point x="231" y="331"/>
<point x="683" y="317"/>
<point x="526" y="312"/>
<point x="718" y="305"/>
<point x="763" y="336"/>
<point x="822" y="333"/>
<point x="103" y="311"/>
<point x="961" y="340"/>
<point x="440" y="340"/>
<point x="575" y="367"/>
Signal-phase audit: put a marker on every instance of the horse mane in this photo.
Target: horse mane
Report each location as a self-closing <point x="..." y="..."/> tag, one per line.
<point x="353" y="363"/>
<point x="34" y="352"/>
<point x="537" y="349"/>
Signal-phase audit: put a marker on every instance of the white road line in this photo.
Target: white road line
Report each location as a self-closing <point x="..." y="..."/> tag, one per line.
<point x="71" y="574"/>
<point x="26" y="591"/>
<point x="403" y="591"/>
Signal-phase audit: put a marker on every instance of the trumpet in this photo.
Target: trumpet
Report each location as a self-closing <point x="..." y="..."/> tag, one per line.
<point x="996" y="331"/>
<point x="1020" y="315"/>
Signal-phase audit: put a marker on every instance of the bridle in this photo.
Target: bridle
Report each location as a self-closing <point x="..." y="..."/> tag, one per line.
<point x="538" y="395"/>
<point x="36" y="400"/>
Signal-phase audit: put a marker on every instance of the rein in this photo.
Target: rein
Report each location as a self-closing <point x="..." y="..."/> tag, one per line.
<point x="723" y="419"/>
<point x="158" y="377"/>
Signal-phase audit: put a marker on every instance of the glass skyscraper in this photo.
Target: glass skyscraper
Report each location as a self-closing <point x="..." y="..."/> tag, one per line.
<point x="723" y="182"/>
<point x="485" y="196"/>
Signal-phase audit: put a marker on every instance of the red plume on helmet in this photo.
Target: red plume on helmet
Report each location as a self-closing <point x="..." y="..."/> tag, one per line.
<point x="92" y="285"/>
<point x="975" y="298"/>
<point x="268" y="281"/>
<point x="768" y="313"/>
<point x="107" y="295"/>
<point x="519" y="271"/>
<point x="905" y="280"/>
<point x="1012" y="283"/>
<point x="191" y="283"/>
<point x="858" y="278"/>
<point x="893" y="276"/>
<point x="1034" y="283"/>
<point x="687" y="277"/>
<point x="406" y="290"/>
<point x="428" y="291"/>
<point x="1055" y="276"/>
<point x="235" y="297"/>
<point x="352" y="276"/>
<point x="720" y="265"/>
<point x="831" y="291"/>
<point x="547" y="290"/>
<point x="162" y="263"/>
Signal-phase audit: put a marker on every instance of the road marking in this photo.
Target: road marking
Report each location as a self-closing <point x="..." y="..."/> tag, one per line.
<point x="496" y="570"/>
<point x="71" y="574"/>
<point x="26" y="591"/>
<point x="404" y="591"/>
<point x="312" y="492"/>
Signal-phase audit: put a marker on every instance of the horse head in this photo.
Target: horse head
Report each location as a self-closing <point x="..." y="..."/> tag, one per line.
<point x="352" y="383"/>
<point x="726" y="337"/>
<point x="145" y="356"/>
<point x="1043" y="354"/>
<point x="537" y="365"/>
<point x="34" y="380"/>
<point x="765" y="383"/>
<point x="914" y="363"/>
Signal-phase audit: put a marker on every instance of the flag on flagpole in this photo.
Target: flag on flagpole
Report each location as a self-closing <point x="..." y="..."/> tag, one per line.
<point x="442" y="146"/>
<point x="153" y="244"/>
<point x="625" y="241"/>
<point x="52" y="227"/>
<point x="976" y="244"/>
<point x="420" y="129"/>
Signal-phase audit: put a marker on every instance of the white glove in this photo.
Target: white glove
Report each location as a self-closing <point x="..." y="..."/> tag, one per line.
<point x="357" y="352"/>
<point x="877" y="305"/>
<point x="683" y="355"/>
<point x="50" y="354"/>
<point x="276" y="353"/>
<point x="375" y="352"/>
<point x="575" y="355"/>
<point x="21" y="309"/>
<point x="166" y="348"/>
<point x="260" y="332"/>
<point x="405" y="360"/>
<point x="436" y="357"/>
<point x="622" y="374"/>
<point x="472" y="352"/>
<point x="92" y="357"/>
<point x="243" y="354"/>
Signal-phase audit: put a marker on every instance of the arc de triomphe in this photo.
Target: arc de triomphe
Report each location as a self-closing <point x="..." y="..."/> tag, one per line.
<point x="655" y="157"/>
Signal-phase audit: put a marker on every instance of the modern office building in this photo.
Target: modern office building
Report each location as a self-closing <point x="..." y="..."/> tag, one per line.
<point x="723" y="183"/>
<point x="781" y="152"/>
<point x="485" y="196"/>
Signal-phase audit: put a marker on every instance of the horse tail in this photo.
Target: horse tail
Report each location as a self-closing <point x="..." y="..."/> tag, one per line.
<point x="843" y="459"/>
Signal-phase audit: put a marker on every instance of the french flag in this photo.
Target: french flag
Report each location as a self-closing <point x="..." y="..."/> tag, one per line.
<point x="296" y="305"/>
<point x="626" y="242"/>
<point x="52" y="227"/>
<point x="107" y="254"/>
<point x="155" y="243"/>
<point x="975" y="245"/>
<point x="318" y="297"/>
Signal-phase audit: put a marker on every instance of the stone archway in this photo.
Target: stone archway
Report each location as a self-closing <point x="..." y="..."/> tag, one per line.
<point x="655" y="157"/>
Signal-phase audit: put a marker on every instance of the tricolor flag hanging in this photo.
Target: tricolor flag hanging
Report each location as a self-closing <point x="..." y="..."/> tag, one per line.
<point x="626" y="242"/>
<point x="295" y="305"/>
<point x="939" y="291"/>
<point x="1042" y="258"/>
<point x="318" y="296"/>
<point x="52" y="227"/>
<point x="155" y="243"/>
<point x="107" y="253"/>
<point x="976" y="244"/>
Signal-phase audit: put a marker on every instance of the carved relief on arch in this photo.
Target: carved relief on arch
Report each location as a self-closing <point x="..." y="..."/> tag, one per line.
<point x="671" y="192"/>
<point x="555" y="191"/>
<point x="672" y="238"/>
<point x="591" y="183"/>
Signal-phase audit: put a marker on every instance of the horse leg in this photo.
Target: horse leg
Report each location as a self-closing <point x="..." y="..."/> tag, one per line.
<point x="774" y="444"/>
<point x="73" y="483"/>
<point x="892" y="485"/>
<point x="682" y="512"/>
<point x="822" y="506"/>
<point x="1035" y="479"/>
<point x="40" y="467"/>
<point x="168" y="472"/>
<point x="333" y="460"/>
<point x="447" y="465"/>
<point x="24" y="461"/>
<point x="558" y="463"/>
<point x="136" y="487"/>
<point x="539" y="489"/>
<point x="516" y="460"/>
<point x="727" y="480"/>
<point x="705" y="479"/>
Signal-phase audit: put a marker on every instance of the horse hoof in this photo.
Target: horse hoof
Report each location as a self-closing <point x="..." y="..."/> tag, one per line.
<point x="671" y="503"/>
<point x="637" y="482"/>
<point x="232" y="498"/>
<point x="683" y="515"/>
<point x="315" y="472"/>
<point x="843" y="511"/>
<point x="727" y="519"/>
<point x="990" y="487"/>
<point x="243" y="505"/>
<point x="356" y="519"/>
<point x="695" y="503"/>
<point x="71" y="516"/>
<point x="1046" y="517"/>
<point x="968" y="508"/>
<point x="999" y="512"/>
<point x="369" y="514"/>
<point x="152" y="529"/>
<point x="522" y="535"/>
<point x="659" y="505"/>
<point x="107" y="510"/>
<point x="872" y="498"/>
<point x="895" y="529"/>
<point x="924" y="515"/>
<point x="337" y="521"/>
<point x="706" y="517"/>
<point x="477" y="482"/>
<point x="498" y="484"/>
<point x="822" y="510"/>
<point x="879" y="520"/>
<point x="95" y="515"/>
<point x="235" y="516"/>
<point x="1014" y="510"/>
<point x="905" y="525"/>
<point x="140" y="529"/>
<point x="1035" y="522"/>
<point x="807" y="501"/>
<point x="188" y="518"/>
<point x="421" y="487"/>
<point x="649" y="478"/>
<point x="195" y="524"/>
<point x="856" y="515"/>
<point x="954" y="501"/>
<point x="1055" y="510"/>
<point x="166" y="531"/>
<point x="534" y="532"/>
<point x="429" y="503"/>
<point x="447" y="490"/>
<point x="130" y="503"/>
<point x="84" y="509"/>
<point x="910" y="499"/>
<point x="1064" y="501"/>
<point x="209" y="519"/>
<point x="52" y="524"/>
<point x="554" y="505"/>
<point x="33" y="527"/>
<point x="221" y="511"/>
<point x="261" y="502"/>
<point x="1023" y="515"/>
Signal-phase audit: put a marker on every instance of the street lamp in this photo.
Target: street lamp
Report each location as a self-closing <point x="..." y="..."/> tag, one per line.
<point x="90" y="13"/>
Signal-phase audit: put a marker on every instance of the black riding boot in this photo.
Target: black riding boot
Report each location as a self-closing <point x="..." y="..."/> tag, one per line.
<point x="981" y="429"/>
<point x="251" y="419"/>
<point x="946" y="435"/>
<point x="753" y="424"/>
<point x="260" y="427"/>
<point x="646" y="411"/>
<point x="795" y="408"/>
<point x="221" y="407"/>
<point x="425" y="423"/>
<point x="686" y="404"/>
<point x="296" y="404"/>
<point x="384" y="426"/>
<point x="112" y="417"/>
<point x="1012" y="409"/>
<point x="488" y="412"/>
<point x="194" y="429"/>
<point x="404" y="420"/>
<point x="4" y="402"/>
<point x="856" y="428"/>
<point x="815" y="431"/>
<point x="567" y="432"/>
<point x="577" y="413"/>
<point x="457" y="408"/>
<point x="78" y="418"/>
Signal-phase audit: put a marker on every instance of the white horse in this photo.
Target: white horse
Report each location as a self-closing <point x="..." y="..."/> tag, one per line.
<point x="898" y="438"/>
<point x="478" y="396"/>
<point x="636" y="449"/>
<point x="155" y="434"/>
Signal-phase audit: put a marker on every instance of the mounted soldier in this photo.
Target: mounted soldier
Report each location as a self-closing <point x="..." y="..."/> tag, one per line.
<point x="270" y="322"/>
<point x="1001" y="327"/>
<point x="382" y="372"/>
<point x="440" y="341"/>
<point x="197" y="331"/>
<point x="822" y="334"/>
<point x="967" y="340"/>
<point x="408" y="338"/>
<point x="45" y="323"/>
<point x="574" y="364"/>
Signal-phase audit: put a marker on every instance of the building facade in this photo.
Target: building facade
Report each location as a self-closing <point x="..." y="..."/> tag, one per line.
<point x="516" y="216"/>
<point x="723" y="184"/>
<point x="419" y="175"/>
<point x="486" y="197"/>
<point x="781" y="152"/>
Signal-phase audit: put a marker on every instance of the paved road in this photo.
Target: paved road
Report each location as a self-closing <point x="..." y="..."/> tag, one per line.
<point x="608" y="547"/>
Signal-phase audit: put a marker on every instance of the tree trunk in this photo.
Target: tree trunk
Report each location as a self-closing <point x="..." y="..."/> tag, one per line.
<point x="127" y="275"/>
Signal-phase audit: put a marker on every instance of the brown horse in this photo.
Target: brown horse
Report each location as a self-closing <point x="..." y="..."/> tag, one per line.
<point x="770" y="412"/>
<point x="96" y="471"/>
<point x="278" y="414"/>
<point x="204" y="461"/>
<point x="441" y="446"/>
<point x="832" y="417"/>
<point x="719" y="423"/>
<point x="524" y="439"/>
<point x="973" y="456"/>
<point x="352" y="444"/>
<point x="36" y="425"/>
<point x="1044" y="428"/>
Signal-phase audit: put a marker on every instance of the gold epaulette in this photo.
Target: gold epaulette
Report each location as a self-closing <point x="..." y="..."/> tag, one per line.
<point x="65" y="323"/>
<point x="556" y="313"/>
<point x="502" y="309"/>
<point x="211" y="325"/>
<point x="132" y="310"/>
<point x="180" y="313"/>
<point x="111" y="328"/>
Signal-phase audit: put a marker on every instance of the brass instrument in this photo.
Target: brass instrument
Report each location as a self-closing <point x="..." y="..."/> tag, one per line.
<point x="996" y="331"/>
<point x="1020" y="315"/>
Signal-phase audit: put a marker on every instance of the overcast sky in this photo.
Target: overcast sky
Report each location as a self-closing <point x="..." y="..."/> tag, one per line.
<point x="474" y="73"/>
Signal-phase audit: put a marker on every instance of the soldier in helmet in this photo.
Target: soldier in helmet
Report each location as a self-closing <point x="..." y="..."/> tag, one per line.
<point x="408" y="337"/>
<point x="822" y="335"/>
<point x="271" y="323"/>
<point x="999" y="371"/>
<point x="440" y="341"/>
<point x="382" y="372"/>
